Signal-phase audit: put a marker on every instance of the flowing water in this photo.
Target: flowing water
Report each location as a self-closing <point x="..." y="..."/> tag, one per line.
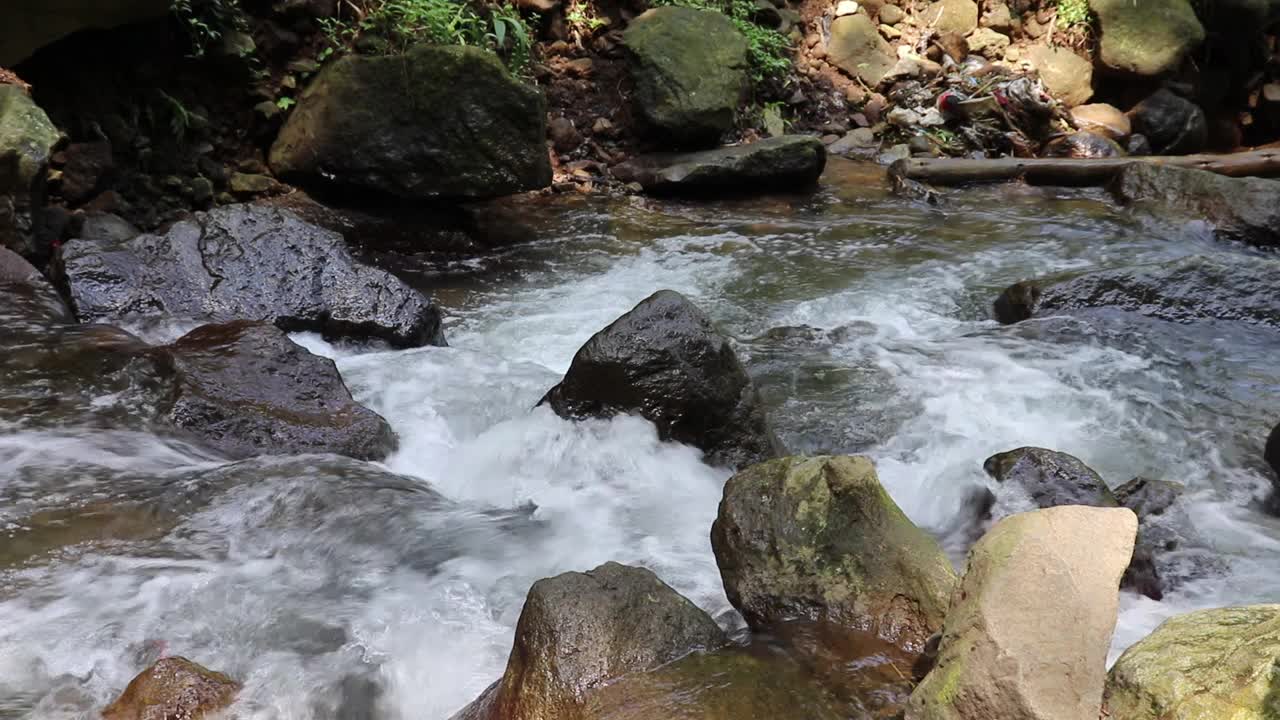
<point x="335" y="588"/>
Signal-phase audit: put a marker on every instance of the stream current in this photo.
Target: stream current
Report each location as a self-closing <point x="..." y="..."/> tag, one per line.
<point x="339" y="589"/>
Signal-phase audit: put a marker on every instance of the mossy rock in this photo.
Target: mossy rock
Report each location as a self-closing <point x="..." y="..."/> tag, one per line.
<point x="27" y="138"/>
<point x="436" y="122"/>
<point x="1147" y="38"/>
<point x="1218" y="664"/>
<point x="690" y="69"/>
<point x="819" y="537"/>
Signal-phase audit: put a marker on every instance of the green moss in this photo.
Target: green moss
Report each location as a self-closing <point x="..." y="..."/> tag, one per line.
<point x="768" y="51"/>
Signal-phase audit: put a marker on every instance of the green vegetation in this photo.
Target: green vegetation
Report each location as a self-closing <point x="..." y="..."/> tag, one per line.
<point x="207" y="22"/>
<point x="392" y="26"/>
<point x="768" y="51"/>
<point x="1073" y="12"/>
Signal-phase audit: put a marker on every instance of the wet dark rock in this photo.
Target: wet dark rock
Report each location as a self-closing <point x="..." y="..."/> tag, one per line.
<point x="785" y="162"/>
<point x="87" y="170"/>
<point x="1017" y="303"/>
<point x="1138" y="145"/>
<point x="246" y="389"/>
<point x="1272" y="452"/>
<point x="579" y="631"/>
<point x="1084" y="144"/>
<point x="665" y="361"/>
<point x="690" y="69"/>
<point x="252" y="263"/>
<point x="435" y="122"/>
<point x="819" y="538"/>
<point x="1171" y="123"/>
<point x="1244" y="209"/>
<point x="1167" y="534"/>
<point x="171" y="689"/>
<point x="1190" y="289"/>
<point x="26" y="296"/>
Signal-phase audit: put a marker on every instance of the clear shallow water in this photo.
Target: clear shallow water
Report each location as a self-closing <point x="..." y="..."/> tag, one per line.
<point x="340" y="589"/>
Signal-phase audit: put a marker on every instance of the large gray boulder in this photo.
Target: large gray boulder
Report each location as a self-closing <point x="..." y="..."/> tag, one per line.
<point x="1191" y="289"/>
<point x="1146" y="38"/>
<point x="246" y="389"/>
<point x="665" y="361"/>
<point x="435" y="122"/>
<point x="579" y="631"/>
<point x="1029" y="627"/>
<point x="1245" y="209"/>
<point x="786" y="162"/>
<point x="27" y="139"/>
<point x="244" y="262"/>
<point x="820" y="538"/>
<point x="1204" y="665"/>
<point x="690" y="70"/>
<point x="31" y="24"/>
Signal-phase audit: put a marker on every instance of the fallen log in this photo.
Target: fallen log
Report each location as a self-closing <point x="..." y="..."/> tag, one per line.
<point x="1075" y="171"/>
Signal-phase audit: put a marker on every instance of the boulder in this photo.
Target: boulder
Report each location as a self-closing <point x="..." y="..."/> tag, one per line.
<point x="665" y="362"/>
<point x="1167" y="534"/>
<point x="246" y="389"/>
<point x="173" y="688"/>
<point x="252" y="263"/>
<point x="690" y="69"/>
<point x="1171" y="123"/>
<point x="579" y="631"/>
<point x="1103" y="119"/>
<point x="1147" y="38"/>
<point x="31" y="24"/>
<point x="988" y="43"/>
<point x="1030" y="625"/>
<point x="820" y="538"/>
<point x="26" y="297"/>
<point x="27" y="139"/>
<point x="1053" y="479"/>
<point x="1066" y="75"/>
<point x="1244" y="209"/>
<point x="856" y="47"/>
<point x="1207" y="664"/>
<point x="952" y="16"/>
<point x="783" y="162"/>
<point x="1191" y="289"/>
<point x="1017" y="303"/>
<point x="435" y="122"/>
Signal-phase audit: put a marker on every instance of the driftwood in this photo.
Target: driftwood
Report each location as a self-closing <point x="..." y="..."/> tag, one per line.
<point x="1074" y="171"/>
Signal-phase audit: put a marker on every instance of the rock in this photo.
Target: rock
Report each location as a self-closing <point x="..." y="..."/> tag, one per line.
<point x="1148" y="38"/>
<point x="246" y="389"/>
<point x="247" y="262"/>
<point x="1172" y="124"/>
<point x="1241" y="209"/>
<point x="173" y="688"/>
<point x="1084" y="144"/>
<point x="435" y="122"/>
<point x="891" y="14"/>
<point x="988" y="43"/>
<point x="1167" y="534"/>
<point x="846" y="7"/>
<point x="690" y="69"/>
<point x="26" y="297"/>
<point x="579" y="631"/>
<point x="249" y="184"/>
<point x="957" y="16"/>
<point x="784" y="162"/>
<point x="820" y="538"/>
<point x="1138" y="145"/>
<point x="995" y="659"/>
<point x="953" y="44"/>
<point x="858" y="139"/>
<point x="86" y="171"/>
<point x="564" y="135"/>
<point x="1272" y="452"/>
<point x="998" y="18"/>
<point x="1017" y="303"/>
<point x="27" y="139"/>
<point x="857" y="48"/>
<point x="1103" y="119"/>
<point x="1066" y="75"/>
<point x="106" y="227"/>
<point x="665" y="361"/>
<point x="30" y="24"/>
<point x="1050" y="478"/>
<point x="1217" y="663"/>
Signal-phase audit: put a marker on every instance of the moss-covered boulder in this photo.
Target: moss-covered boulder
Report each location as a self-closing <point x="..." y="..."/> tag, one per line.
<point x="174" y="687"/>
<point x="27" y="138"/>
<point x="1031" y="622"/>
<point x="436" y="122"/>
<point x="1218" y="664"/>
<point x="578" y="631"/>
<point x="1146" y="38"/>
<point x="786" y="162"/>
<point x="690" y="69"/>
<point x="28" y="25"/>
<point x="819" y="537"/>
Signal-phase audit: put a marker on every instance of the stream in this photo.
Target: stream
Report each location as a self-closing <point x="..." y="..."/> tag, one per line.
<point x="339" y="589"/>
